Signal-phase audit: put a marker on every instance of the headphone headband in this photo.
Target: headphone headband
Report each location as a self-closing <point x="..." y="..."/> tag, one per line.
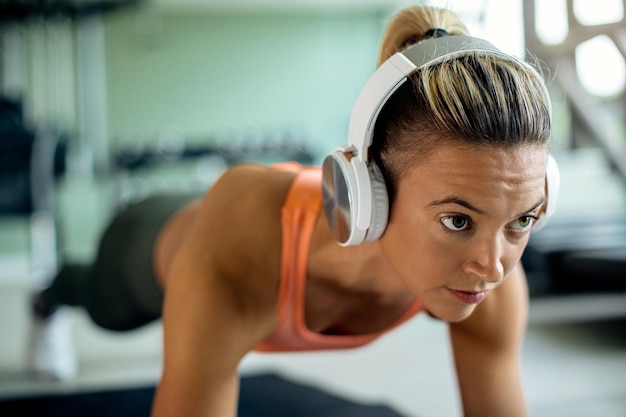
<point x="394" y="72"/>
<point x="354" y="190"/>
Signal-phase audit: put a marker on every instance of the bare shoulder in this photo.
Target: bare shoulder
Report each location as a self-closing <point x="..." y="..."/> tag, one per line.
<point x="241" y="187"/>
<point x="221" y="291"/>
<point x="245" y="204"/>
<point x="237" y="229"/>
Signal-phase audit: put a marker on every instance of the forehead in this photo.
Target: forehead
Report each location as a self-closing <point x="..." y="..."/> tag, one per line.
<point x="478" y="173"/>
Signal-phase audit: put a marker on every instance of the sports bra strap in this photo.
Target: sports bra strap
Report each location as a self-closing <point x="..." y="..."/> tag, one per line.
<point x="306" y="190"/>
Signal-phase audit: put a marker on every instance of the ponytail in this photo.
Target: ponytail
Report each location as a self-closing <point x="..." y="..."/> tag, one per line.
<point x="409" y="26"/>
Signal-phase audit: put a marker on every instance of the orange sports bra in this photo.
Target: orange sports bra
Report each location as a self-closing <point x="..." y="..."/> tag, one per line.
<point x="299" y="216"/>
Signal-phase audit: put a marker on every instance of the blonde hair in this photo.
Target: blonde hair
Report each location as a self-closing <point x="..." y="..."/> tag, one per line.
<point x="409" y="25"/>
<point x="475" y="99"/>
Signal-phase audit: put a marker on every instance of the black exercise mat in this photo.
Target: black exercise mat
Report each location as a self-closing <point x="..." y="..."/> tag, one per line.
<point x="261" y="396"/>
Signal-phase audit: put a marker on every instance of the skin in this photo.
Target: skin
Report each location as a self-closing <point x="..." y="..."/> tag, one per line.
<point x="219" y="267"/>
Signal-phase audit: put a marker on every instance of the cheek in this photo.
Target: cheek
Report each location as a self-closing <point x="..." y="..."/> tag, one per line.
<point x="416" y="253"/>
<point x="513" y="256"/>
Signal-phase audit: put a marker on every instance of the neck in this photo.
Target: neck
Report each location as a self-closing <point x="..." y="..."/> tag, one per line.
<point x="362" y="268"/>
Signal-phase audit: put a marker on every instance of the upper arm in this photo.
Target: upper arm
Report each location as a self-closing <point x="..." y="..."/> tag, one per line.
<point x="215" y="310"/>
<point x="486" y="350"/>
<point x="204" y="339"/>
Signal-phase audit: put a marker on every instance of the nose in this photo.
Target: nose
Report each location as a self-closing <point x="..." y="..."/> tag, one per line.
<point x="486" y="260"/>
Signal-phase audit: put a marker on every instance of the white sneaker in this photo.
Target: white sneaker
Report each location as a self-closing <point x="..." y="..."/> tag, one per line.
<point x="51" y="353"/>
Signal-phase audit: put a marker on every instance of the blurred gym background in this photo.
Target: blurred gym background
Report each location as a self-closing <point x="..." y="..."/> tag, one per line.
<point x="106" y="101"/>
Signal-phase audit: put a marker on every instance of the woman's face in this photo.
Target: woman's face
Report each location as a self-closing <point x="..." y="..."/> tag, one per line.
<point x="461" y="221"/>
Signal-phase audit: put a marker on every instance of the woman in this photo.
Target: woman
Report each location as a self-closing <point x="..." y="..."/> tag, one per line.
<point x="456" y="174"/>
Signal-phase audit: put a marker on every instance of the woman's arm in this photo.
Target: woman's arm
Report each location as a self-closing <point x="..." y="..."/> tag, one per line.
<point x="220" y="295"/>
<point x="205" y="336"/>
<point x="486" y="350"/>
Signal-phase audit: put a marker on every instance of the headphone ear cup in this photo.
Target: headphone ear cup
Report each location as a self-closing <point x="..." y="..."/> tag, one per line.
<point x="380" y="203"/>
<point x="341" y="199"/>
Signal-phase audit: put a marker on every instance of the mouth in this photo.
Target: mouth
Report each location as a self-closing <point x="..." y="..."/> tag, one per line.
<point x="468" y="297"/>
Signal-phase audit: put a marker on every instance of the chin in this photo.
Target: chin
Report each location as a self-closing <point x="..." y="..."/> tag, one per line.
<point x="450" y="315"/>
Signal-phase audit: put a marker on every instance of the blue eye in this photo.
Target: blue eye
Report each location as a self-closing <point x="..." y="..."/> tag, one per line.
<point x="455" y="223"/>
<point x="523" y="223"/>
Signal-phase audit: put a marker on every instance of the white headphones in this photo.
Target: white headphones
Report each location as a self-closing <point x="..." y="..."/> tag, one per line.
<point x="354" y="192"/>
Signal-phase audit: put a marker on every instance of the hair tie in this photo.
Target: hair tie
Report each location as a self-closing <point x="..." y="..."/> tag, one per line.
<point x="435" y="33"/>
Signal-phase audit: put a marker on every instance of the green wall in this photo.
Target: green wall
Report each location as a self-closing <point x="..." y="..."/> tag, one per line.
<point x="214" y="74"/>
<point x="210" y="75"/>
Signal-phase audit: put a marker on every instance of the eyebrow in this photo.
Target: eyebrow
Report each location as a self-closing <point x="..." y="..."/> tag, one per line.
<point x="469" y="206"/>
<point x="458" y="201"/>
<point x="535" y="207"/>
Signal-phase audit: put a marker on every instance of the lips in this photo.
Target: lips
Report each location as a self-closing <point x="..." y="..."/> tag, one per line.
<point x="468" y="297"/>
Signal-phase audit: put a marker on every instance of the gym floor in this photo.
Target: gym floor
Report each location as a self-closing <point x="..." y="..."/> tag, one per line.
<point x="574" y="360"/>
